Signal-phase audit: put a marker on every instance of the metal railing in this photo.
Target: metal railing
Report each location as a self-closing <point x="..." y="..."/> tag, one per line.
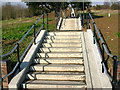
<point x="17" y="66"/>
<point x="103" y="51"/>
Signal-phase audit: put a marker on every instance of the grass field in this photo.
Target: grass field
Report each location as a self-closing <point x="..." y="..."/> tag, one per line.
<point x="13" y="30"/>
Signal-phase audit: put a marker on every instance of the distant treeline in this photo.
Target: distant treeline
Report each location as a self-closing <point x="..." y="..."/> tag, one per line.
<point x="15" y="11"/>
<point x="107" y="5"/>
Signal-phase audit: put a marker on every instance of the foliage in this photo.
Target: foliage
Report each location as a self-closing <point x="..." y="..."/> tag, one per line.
<point x="98" y="7"/>
<point x="79" y="5"/>
<point x="118" y="34"/>
<point x="114" y="6"/>
<point x="13" y="30"/>
<point x="13" y="12"/>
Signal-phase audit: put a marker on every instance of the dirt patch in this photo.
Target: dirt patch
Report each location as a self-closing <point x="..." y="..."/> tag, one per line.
<point x="109" y="28"/>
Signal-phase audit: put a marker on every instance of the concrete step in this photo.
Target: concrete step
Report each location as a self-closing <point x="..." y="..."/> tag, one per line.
<point x="61" y="45"/>
<point x="59" y="55"/>
<point x="62" y="41"/>
<point x="63" y="33"/>
<point x="64" y="49"/>
<point x="57" y="68"/>
<point x="55" y="76"/>
<point x="61" y="73"/>
<point x="59" y="61"/>
<point x="36" y="84"/>
<point x="64" y="37"/>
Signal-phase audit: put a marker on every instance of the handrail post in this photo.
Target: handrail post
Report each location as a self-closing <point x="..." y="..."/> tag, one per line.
<point x="43" y="21"/>
<point x="83" y="12"/>
<point x="34" y="33"/>
<point x="47" y="21"/>
<point x="103" y="51"/>
<point x="18" y="56"/>
<point x="114" y="82"/>
<point x="94" y="32"/>
<point x="1" y="83"/>
<point x="89" y="19"/>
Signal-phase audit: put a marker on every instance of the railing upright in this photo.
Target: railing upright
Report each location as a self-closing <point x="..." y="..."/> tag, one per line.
<point x="94" y="32"/>
<point x="103" y="57"/>
<point x="114" y="81"/>
<point x="34" y="34"/>
<point x="47" y="21"/>
<point x="88" y="21"/>
<point x="18" y="56"/>
<point x="43" y="21"/>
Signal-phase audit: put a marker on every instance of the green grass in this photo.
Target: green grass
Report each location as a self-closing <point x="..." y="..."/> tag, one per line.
<point x="13" y="30"/>
<point x="118" y="34"/>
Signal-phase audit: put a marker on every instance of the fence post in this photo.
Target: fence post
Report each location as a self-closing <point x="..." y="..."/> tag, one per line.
<point x="43" y="21"/>
<point x="114" y="82"/>
<point x="34" y="33"/>
<point x="18" y="56"/>
<point x="47" y="21"/>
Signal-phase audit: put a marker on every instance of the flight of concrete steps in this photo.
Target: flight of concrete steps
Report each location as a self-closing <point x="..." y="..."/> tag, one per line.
<point x="59" y="63"/>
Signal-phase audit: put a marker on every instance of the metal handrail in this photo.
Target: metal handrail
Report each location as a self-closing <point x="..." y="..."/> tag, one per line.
<point x="101" y="37"/>
<point x="21" y="57"/>
<point x="114" y="57"/>
<point x="21" y="39"/>
<point x="103" y="63"/>
<point x="17" y="45"/>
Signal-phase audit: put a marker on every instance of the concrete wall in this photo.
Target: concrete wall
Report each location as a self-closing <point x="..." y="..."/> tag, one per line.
<point x="20" y="77"/>
<point x="59" y="23"/>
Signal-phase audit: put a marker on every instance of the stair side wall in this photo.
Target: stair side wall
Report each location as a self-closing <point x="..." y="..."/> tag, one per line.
<point x="20" y="77"/>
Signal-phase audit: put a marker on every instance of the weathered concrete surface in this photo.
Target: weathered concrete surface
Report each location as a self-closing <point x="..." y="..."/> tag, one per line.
<point x="64" y="37"/>
<point x="72" y="33"/>
<point x="71" y="24"/>
<point x="59" y="61"/>
<point x="86" y="64"/>
<point x="60" y="49"/>
<point x="20" y="77"/>
<point x="59" y="55"/>
<point x="55" y="84"/>
<point x="56" y="77"/>
<point x="62" y="41"/>
<point x="61" y="45"/>
<point x="57" y="67"/>
<point x="99" y="79"/>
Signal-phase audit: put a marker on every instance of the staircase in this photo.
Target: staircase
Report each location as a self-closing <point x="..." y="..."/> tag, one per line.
<point x="58" y="63"/>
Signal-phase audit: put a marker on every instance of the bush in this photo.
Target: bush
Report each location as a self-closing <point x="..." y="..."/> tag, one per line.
<point x="114" y="6"/>
<point x="98" y="7"/>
